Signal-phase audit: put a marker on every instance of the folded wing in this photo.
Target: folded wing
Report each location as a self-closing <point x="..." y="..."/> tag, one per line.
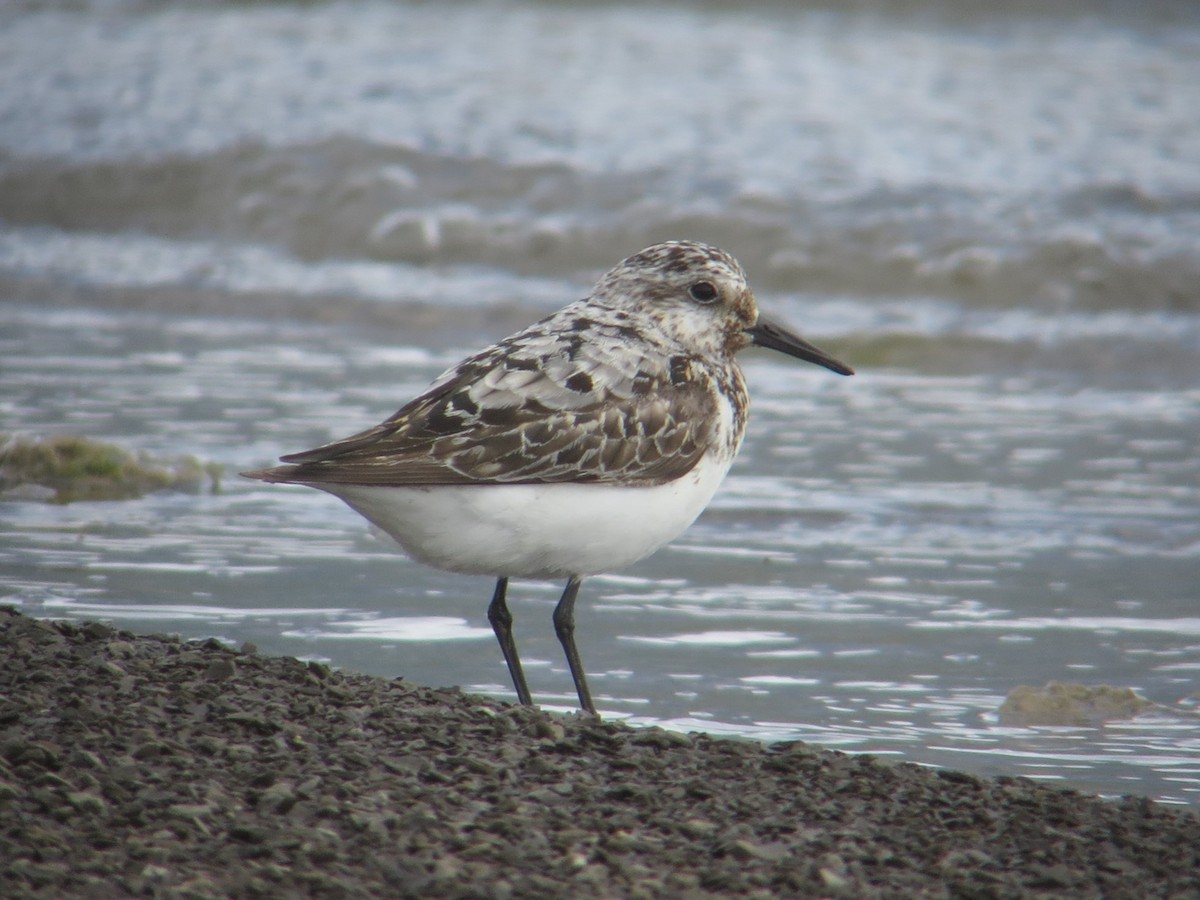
<point x="500" y="418"/>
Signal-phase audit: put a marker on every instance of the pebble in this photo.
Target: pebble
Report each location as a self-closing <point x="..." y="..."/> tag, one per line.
<point x="203" y="771"/>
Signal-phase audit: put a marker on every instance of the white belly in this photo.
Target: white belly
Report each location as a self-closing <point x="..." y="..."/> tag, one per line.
<point x="535" y="530"/>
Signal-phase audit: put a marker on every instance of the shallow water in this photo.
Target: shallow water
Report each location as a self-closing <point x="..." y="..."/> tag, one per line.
<point x="238" y="231"/>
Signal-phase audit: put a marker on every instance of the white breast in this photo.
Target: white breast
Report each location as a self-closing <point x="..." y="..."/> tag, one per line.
<point x="536" y="530"/>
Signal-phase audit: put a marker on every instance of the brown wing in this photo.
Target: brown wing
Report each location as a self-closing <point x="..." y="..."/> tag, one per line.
<point x="503" y="419"/>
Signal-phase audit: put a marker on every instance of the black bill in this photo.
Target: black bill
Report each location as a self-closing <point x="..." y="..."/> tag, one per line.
<point x="775" y="337"/>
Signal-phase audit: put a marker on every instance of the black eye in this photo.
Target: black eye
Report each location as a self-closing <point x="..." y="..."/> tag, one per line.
<point x="703" y="292"/>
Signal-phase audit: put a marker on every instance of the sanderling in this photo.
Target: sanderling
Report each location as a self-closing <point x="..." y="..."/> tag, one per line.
<point x="577" y="446"/>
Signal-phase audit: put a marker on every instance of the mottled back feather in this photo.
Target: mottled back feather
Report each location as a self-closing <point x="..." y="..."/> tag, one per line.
<point x="562" y="401"/>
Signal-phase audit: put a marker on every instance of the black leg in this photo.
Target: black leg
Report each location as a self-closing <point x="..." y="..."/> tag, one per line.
<point x="564" y="627"/>
<point x="502" y="622"/>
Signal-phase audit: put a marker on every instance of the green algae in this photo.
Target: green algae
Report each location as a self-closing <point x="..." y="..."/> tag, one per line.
<point x="70" y="468"/>
<point x="1061" y="703"/>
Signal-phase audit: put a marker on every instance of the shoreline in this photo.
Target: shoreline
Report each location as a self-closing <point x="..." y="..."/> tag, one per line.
<point x="147" y="765"/>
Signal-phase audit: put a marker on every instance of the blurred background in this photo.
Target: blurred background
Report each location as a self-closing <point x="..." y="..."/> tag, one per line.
<point x="235" y="230"/>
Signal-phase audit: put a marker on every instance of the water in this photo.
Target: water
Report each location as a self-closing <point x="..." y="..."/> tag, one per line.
<point x="240" y="230"/>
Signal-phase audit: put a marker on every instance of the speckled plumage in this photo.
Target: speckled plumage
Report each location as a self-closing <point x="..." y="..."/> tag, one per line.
<point x="622" y="387"/>
<point x="580" y="444"/>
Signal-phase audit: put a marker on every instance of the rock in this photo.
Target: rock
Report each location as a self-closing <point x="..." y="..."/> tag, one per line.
<point x="220" y="669"/>
<point x="66" y="468"/>
<point x="1070" y="704"/>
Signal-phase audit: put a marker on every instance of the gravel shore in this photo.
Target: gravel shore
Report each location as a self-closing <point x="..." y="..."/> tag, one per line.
<point x="146" y="766"/>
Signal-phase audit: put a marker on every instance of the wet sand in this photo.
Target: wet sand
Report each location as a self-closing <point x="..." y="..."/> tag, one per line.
<point x="143" y="765"/>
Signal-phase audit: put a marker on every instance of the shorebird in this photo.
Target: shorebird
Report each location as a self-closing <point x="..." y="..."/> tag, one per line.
<point x="577" y="446"/>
